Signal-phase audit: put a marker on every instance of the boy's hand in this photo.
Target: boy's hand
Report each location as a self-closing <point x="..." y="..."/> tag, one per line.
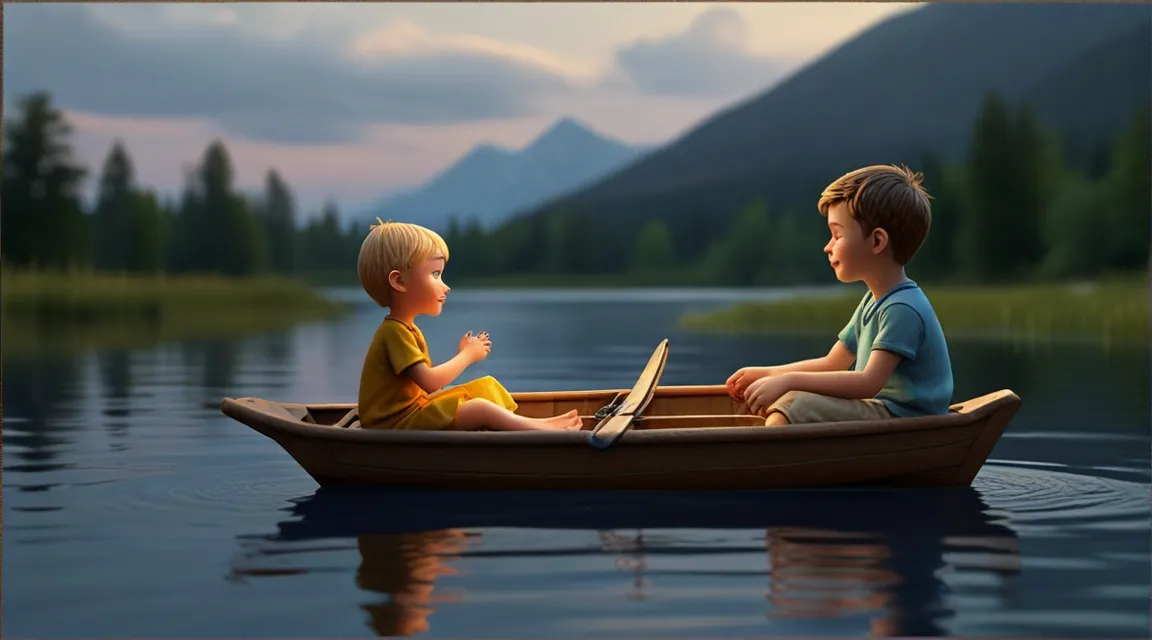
<point x="738" y="382"/>
<point x="476" y="347"/>
<point x="763" y="392"/>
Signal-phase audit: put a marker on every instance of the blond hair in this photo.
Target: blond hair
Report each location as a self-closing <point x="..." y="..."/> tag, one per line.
<point x="394" y="246"/>
<point x="886" y="197"/>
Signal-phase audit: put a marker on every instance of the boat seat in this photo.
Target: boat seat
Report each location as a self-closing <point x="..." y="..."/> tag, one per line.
<point x="349" y="418"/>
<point x="275" y="409"/>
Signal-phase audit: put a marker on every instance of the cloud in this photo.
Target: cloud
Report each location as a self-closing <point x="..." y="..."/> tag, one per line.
<point x="351" y="101"/>
<point x="295" y="75"/>
<point x="303" y="90"/>
<point x="712" y="58"/>
<point x="405" y="38"/>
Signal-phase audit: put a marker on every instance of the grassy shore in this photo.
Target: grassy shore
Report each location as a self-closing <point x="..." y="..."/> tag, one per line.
<point x="78" y="309"/>
<point x="1112" y="312"/>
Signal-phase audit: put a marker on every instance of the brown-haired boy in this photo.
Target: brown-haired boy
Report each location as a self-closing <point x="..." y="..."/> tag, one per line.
<point x="878" y="217"/>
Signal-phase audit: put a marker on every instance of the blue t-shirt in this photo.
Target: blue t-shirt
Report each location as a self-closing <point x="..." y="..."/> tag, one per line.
<point x="904" y="323"/>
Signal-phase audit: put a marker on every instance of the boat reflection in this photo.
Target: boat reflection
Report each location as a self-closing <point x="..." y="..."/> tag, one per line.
<point x="875" y="554"/>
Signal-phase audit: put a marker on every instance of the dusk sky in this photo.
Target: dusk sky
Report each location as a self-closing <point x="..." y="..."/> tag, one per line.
<point x="350" y="101"/>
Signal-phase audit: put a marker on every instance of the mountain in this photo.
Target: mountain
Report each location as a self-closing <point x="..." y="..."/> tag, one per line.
<point x="1093" y="97"/>
<point x="910" y="84"/>
<point x="491" y="183"/>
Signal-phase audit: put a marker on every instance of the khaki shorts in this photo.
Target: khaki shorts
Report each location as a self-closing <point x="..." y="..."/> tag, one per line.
<point x="802" y="407"/>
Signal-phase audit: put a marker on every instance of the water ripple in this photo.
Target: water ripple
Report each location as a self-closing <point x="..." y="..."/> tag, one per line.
<point x="1064" y="500"/>
<point x="72" y="476"/>
<point x="238" y="490"/>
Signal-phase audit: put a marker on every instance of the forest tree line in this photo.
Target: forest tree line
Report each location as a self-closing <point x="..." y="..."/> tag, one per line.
<point x="212" y="228"/>
<point x="1019" y="207"/>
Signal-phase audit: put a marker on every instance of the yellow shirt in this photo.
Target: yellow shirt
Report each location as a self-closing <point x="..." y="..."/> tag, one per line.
<point x="386" y="394"/>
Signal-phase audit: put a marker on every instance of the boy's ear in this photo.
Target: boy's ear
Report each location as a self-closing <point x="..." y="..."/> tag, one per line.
<point x="396" y="281"/>
<point x="879" y="241"/>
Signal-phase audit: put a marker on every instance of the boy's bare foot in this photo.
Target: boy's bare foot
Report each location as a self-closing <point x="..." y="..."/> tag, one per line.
<point x="565" y="422"/>
<point x="560" y="418"/>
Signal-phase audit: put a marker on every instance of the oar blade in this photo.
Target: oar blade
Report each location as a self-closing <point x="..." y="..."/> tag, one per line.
<point x="609" y="430"/>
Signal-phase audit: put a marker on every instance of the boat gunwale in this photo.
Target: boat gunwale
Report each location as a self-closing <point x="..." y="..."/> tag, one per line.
<point x="967" y="413"/>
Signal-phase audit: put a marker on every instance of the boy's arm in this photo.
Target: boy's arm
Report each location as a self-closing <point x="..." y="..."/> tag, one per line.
<point x="853" y="385"/>
<point x="432" y="379"/>
<point x="838" y="358"/>
<point x="900" y="333"/>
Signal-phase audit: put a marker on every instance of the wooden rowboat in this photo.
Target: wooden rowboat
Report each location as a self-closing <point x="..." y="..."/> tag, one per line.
<point x="649" y="437"/>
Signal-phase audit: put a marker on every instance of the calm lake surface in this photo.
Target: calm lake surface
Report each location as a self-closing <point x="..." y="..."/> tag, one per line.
<point x="134" y="508"/>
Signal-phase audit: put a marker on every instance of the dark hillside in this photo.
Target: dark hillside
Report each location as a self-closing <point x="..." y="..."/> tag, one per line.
<point x="1093" y="97"/>
<point x="914" y="82"/>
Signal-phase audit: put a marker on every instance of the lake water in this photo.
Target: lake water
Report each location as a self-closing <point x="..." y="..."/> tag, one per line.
<point x="133" y="508"/>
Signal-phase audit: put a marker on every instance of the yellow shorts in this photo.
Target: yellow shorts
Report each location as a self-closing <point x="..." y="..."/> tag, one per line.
<point x="440" y="411"/>
<point x="802" y="407"/>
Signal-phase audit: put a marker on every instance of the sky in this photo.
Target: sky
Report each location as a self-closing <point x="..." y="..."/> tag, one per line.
<point x="352" y="101"/>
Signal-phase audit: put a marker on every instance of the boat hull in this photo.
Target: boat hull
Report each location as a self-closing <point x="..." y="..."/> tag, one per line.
<point x="690" y="438"/>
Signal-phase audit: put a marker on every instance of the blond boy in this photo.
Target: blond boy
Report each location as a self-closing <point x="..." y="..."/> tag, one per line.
<point x="891" y="359"/>
<point x="401" y="268"/>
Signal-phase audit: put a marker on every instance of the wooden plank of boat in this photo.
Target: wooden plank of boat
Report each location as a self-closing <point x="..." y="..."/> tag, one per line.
<point x="691" y="437"/>
<point x="630" y="408"/>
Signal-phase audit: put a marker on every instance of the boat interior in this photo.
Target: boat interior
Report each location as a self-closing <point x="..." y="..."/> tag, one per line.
<point x="669" y="408"/>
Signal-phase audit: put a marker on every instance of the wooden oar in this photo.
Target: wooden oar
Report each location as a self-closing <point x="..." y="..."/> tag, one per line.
<point x="614" y="426"/>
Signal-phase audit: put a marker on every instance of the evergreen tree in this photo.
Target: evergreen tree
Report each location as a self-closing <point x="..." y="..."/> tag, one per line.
<point x="1129" y="185"/>
<point x="113" y="218"/>
<point x="935" y="259"/>
<point x="188" y="229"/>
<point x="747" y="247"/>
<point x="477" y="243"/>
<point x="226" y="235"/>
<point x="1072" y="230"/>
<point x="42" y="222"/>
<point x="146" y="252"/>
<point x="327" y="245"/>
<point x="278" y="214"/>
<point x="1002" y="234"/>
<point x="653" y="248"/>
<point x="1033" y="156"/>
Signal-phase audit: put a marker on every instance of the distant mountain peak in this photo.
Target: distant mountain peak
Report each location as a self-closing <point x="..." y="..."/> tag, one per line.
<point x="566" y="125"/>
<point x="491" y="182"/>
<point x="565" y="131"/>
<point x="487" y="149"/>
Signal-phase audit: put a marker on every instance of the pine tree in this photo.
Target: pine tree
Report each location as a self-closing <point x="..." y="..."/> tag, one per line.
<point x="42" y="222"/>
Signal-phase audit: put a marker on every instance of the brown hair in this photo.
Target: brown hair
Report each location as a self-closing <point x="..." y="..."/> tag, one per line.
<point x="884" y="197"/>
